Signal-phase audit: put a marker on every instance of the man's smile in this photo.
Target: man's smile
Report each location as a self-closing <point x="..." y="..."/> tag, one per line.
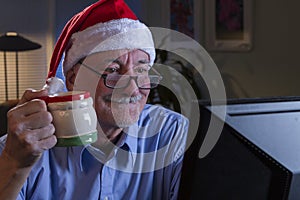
<point x="123" y="100"/>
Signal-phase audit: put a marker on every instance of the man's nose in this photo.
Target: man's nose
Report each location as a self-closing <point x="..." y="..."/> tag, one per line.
<point x="132" y="86"/>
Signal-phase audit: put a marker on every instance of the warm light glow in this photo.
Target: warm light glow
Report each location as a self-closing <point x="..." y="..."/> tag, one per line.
<point x="11" y="34"/>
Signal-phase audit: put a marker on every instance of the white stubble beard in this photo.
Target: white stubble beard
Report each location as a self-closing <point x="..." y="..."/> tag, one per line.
<point x="125" y="110"/>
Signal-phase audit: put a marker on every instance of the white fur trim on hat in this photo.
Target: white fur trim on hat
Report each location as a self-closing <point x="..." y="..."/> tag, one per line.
<point x="112" y="35"/>
<point x="54" y="85"/>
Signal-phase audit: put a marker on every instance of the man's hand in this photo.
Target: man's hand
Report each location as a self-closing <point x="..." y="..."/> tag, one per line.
<point x="30" y="130"/>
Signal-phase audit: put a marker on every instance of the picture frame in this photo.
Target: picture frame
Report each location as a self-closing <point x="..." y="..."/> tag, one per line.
<point x="184" y="16"/>
<point x="228" y="25"/>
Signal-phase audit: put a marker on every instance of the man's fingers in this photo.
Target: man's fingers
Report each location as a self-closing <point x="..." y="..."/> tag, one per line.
<point x="28" y="108"/>
<point x="44" y="139"/>
<point x="37" y="120"/>
<point x="30" y="115"/>
<point x="30" y="94"/>
<point x="48" y="142"/>
<point x="38" y="134"/>
<point x="34" y="143"/>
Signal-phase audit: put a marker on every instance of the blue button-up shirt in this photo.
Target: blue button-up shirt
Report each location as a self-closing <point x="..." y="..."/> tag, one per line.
<point x="145" y="164"/>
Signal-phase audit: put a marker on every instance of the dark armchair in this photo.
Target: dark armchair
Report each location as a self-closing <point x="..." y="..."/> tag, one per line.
<point x="4" y="108"/>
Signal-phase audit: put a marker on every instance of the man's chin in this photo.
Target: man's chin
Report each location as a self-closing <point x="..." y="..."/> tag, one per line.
<point x="126" y="122"/>
<point x="122" y="115"/>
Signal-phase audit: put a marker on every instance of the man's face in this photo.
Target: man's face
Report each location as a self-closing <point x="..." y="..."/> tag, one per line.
<point x="118" y="107"/>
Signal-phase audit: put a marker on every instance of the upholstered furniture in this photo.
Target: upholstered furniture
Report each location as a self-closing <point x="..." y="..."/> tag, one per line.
<point x="4" y="108"/>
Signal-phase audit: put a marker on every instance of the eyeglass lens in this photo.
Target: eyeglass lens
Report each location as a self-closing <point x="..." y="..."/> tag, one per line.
<point x="121" y="81"/>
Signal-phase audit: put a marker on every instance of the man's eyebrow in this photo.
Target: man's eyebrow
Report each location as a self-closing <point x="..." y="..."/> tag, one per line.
<point x="144" y="61"/>
<point x="109" y="59"/>
<point x="117" y="61"/>
<point x="112" y="60"/>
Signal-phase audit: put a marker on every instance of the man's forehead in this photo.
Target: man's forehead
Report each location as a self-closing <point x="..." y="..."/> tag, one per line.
<point x="105" y="57"/>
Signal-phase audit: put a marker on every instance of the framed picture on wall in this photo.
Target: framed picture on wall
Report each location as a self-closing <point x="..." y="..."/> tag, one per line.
<point x="183" y="16"/>
<point x="228" y="25"/>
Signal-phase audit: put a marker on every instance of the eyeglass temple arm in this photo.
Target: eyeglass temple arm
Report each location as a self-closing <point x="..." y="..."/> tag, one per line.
<point x="90" y="68"/>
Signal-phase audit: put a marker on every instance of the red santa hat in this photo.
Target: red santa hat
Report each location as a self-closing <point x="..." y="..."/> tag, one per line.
<point x="105" y="25"/>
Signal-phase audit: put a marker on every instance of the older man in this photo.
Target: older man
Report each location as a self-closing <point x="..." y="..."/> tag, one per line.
<point x="139" y="151"/>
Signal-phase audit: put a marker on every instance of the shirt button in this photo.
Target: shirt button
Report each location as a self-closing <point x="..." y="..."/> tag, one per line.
<point x="105" y="198"/>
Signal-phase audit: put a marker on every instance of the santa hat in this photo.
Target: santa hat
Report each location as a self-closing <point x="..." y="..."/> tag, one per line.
<point x="103" y="26"/>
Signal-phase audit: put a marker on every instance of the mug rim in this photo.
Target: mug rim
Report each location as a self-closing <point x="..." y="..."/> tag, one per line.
<point x="65" y="96"/>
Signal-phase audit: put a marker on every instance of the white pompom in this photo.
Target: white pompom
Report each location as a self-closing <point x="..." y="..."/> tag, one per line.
<point x="54" y="85"/>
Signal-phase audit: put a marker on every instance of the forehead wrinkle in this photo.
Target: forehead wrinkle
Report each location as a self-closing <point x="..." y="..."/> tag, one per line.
<point x="118" y="56"/>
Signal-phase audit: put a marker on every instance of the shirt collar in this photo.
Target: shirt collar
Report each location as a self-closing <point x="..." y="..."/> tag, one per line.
<point x="131" y="137"/>
<point x="127" y="144"/>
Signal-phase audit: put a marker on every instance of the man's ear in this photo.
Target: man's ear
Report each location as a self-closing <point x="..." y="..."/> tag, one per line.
<point x="70" y="78"/>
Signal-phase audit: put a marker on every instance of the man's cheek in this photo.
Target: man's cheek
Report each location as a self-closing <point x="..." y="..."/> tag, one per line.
<point x="145" y="93"/>
<point x="87" y="82"/>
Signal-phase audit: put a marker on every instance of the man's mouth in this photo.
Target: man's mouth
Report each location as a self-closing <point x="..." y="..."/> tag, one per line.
<point x="124" y="100"/>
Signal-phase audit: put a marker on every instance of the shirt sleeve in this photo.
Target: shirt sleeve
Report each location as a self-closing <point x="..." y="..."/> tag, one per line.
<point x="181" y="137"/>
<point x="2" y="142"/>
<point x="2" y="145"/>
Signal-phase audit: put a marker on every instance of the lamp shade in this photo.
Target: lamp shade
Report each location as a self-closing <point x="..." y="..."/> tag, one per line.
<point x="11" y="41"/>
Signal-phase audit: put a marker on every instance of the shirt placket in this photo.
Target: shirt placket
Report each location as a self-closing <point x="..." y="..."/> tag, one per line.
<point x="106" y="183"/>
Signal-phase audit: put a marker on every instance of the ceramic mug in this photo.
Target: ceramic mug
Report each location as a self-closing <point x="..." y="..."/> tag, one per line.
<point x="74" y="117"/>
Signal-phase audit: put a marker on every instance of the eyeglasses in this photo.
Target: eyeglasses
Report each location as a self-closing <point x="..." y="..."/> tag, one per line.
<point x="117" y="81"/>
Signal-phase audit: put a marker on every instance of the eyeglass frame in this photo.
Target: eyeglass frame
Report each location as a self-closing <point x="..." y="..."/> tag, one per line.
<point x="104" y="76"/>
